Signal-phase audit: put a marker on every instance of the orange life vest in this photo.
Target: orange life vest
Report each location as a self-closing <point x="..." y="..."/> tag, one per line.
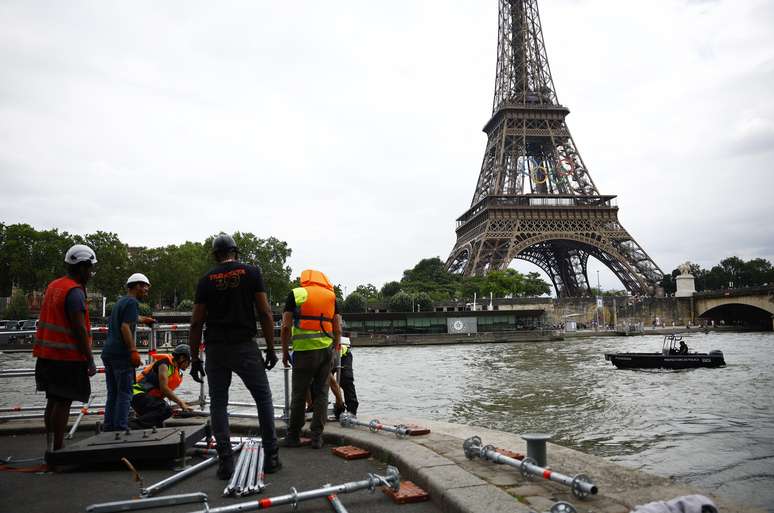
<point x="147" y="380"/>
<point x="317" y="311"/>
<point x="54" y="339"/>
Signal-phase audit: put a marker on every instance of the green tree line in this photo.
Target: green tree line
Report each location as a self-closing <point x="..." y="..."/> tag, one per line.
<point x="428" y="281"/>
<point x="30" y="259"/>
<point x="731" y="272"/>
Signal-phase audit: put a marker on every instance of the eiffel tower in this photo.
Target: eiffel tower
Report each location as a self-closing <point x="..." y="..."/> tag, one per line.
<point x="535" y="199"/>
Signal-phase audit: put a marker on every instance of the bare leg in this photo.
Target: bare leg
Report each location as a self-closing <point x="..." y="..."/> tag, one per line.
<point x="59" y="418"/>
<point x="49" y="423"/>
<point x="336" y="389"/>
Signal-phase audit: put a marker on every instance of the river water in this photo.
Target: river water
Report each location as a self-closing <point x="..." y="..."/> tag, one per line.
<point x="713" y="428"/>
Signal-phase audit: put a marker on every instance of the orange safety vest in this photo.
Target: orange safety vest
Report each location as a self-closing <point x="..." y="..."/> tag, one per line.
<point x="315" y="309"/>
<point x="54" y="339"/>
<point x="147" y="380"/>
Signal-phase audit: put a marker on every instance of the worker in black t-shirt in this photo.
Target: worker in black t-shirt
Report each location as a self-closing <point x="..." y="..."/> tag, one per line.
<point x="227" y="298"/>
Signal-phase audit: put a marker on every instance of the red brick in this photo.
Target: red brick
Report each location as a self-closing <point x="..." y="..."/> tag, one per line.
<point x="414" y="430"/>
<point x="408" y="493"/>
<point x="510" y="454"/>
<point x="350" y="452"/>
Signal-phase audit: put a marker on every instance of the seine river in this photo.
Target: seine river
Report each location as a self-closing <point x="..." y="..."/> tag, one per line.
<point x="713" y="428"/>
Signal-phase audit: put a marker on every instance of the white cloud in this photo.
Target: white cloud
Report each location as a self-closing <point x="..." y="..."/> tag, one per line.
<point x="352" y="130"/>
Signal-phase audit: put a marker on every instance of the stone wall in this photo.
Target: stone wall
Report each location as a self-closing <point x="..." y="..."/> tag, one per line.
<point x="619" y="309"/>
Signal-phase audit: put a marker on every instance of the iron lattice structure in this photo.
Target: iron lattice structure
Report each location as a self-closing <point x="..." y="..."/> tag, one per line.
<point x="535" y="199"/>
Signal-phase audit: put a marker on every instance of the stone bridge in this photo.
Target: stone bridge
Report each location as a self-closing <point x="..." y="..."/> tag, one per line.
<point x="752" y="305"/>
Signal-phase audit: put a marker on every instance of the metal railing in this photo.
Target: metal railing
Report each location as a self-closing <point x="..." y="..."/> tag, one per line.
<point x="163" y="331"/>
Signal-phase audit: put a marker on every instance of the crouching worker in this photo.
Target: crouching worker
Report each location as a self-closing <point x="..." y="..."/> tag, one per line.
<point x="156" y="382"/>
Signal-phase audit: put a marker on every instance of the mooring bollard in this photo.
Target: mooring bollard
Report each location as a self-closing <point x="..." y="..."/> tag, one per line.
<point x="392" y="479"/>
<point x="536" y="447"/>
<point x="580" y="484"/>
<point x="348" y="420"/>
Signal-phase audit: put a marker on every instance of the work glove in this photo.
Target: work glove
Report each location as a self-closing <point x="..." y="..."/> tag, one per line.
<point x="271" y="359"/>
<point x="197" y="371"/>
<point x="134" y="358"/>
<point x="92" y="368"/>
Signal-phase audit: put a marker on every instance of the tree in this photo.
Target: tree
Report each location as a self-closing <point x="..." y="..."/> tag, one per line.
<point x="145" y="309"/>
<point x="185" y="305"/>
<point x="367" y="291"/>
<point x="112" y="267"/>
<point x="355" y="303"/>
<point x="271" y="256"/>
<point x="389" y="289"/>
<point x="17" y="307"/>
<point x="423" y="302"/>
<point x="430" y="276"/>
<point x="400" y="302"/>
<point x="534" y="285"/>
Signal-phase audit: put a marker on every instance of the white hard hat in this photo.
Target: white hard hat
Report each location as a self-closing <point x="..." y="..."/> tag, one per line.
<point x="345" y="341"/>
<point x="138" y="278"/>
<point x="80" y="253"/>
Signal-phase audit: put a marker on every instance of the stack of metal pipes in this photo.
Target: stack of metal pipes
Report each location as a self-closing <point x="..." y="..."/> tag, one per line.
<point x="248" y="471"/>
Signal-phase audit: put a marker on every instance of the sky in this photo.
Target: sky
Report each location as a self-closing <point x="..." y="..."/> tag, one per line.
<point x="353" y="129"/>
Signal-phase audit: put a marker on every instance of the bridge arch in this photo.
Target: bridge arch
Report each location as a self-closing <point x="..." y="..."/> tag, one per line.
<point x="585" y="245"/>
<point x="740" y="313"/>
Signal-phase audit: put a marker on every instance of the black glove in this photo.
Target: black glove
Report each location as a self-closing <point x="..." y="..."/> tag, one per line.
<point x="197" y="371"/>
<point x="271" y="359"/>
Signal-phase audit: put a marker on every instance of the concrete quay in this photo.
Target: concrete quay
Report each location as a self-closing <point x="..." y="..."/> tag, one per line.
<point x="436" y="462"/>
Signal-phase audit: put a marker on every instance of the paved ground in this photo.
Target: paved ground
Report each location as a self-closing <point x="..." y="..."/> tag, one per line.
<point x="304" y="468"/>
<point x="435" y="462"/>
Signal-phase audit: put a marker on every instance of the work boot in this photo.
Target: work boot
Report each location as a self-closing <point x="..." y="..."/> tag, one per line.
<point x="317" y="442"/>
<point x="225" y="467"/>
<point x="272" y="463"/>
<point x="290" y="441"/>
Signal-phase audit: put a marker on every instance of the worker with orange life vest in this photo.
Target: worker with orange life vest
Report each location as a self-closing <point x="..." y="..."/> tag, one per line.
<point x="63" y="344"/>
<point x="311" y="321"/>
<point x="154" y="383"/>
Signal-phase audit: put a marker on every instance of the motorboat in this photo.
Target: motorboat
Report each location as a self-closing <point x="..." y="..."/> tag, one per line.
<point x="674" y="355"/>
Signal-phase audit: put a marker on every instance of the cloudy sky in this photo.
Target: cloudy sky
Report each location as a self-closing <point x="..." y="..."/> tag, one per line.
<point x="352" y="129"/>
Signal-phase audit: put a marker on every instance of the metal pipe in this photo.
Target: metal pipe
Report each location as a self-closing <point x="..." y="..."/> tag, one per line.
<point x="336" y="504"/>
<point x="249" y="485"/>
<point x="259" y="484"/>
<point x="28" y="416"/>
<point x="245" y="468"/>
<point x="78" y="419"/>
<point x="348" y="420"/>
<point x="166" y="483"/>
<point x="19" y="407"/>
<point x="581" y="484"/>
<point x="286" y="409"/>
<point x="229" y="489"/>
<point x="392" y="479"/>
<point x="154" y="502"/>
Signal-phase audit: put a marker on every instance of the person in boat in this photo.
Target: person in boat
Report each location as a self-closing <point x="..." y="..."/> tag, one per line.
<point x="683" y="348"/>
<point x="156" y="382"/>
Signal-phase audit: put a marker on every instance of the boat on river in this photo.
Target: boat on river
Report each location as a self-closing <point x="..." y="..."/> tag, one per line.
<point x="674" y="355"/>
